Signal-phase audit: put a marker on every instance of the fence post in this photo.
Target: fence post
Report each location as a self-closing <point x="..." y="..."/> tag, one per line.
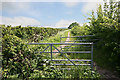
<point x="92" y="56"/>
<point x="51" y="51"/>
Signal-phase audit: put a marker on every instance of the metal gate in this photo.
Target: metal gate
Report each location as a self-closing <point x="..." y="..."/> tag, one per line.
<point x="69" y="45"/>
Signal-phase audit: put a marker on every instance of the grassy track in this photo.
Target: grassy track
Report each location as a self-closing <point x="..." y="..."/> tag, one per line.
<point x="75" y="71"/>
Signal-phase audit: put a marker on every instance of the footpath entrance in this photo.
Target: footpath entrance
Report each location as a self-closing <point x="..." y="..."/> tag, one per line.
<point x="69" y="48"/>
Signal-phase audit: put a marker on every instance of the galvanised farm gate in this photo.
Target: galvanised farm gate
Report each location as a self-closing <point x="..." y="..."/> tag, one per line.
<point x="80" y="42"/>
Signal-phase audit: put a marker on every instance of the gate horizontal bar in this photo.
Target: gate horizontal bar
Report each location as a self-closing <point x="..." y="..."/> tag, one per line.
<point x="75" y="40"/>
<point x="78" y="36"/>
<point x="59" y="43"/>
<point x="66" y="68"/>
<point x="69" y="52"/>
<point x="80" y="40"/>
<point x="72" y="64"/>
<point x="76" y="47"/>
<point x="70" y="59"/>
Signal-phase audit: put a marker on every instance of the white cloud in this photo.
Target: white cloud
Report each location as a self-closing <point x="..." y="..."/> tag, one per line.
<point x="92" y="5"/>
<point x="24" y="21"/>
<point x="63" y="23"/>
<point x="14" y="7"/>
<point x="70" y="4"/>
<point x="89" y="6"/>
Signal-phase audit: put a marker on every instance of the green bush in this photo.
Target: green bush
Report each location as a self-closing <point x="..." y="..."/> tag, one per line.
<point x="16" y="57"/>
<point x="105" y="27"/>
<point x="79" y="30"/>
<point x="24" y="62"/>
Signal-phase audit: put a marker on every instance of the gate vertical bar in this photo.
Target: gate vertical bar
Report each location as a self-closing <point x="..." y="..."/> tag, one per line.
<point x="92" y="56"/>
<point x="60" y="38"/>
<point x="51" y="51"/>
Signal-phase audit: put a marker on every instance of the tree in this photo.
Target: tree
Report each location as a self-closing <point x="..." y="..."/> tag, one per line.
<point x="73" y="25"/>
<point x="105" y="27"/>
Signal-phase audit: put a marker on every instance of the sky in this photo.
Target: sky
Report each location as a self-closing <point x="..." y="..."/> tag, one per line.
<point x="46" y="13"/>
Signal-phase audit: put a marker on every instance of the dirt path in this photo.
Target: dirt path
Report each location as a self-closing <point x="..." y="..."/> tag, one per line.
<point x="62" y="46"/>
<point x="106" y="74"/>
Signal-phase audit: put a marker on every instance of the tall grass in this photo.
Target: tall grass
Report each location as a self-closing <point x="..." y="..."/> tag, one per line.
<point x="56" y="38"/>
<point x="80" y="72"/>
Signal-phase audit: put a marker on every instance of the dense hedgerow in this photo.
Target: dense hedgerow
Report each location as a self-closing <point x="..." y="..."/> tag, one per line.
<point x="21" y="61"/>
<point x="31" y="34"/>
<point x="105" y="27"/>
